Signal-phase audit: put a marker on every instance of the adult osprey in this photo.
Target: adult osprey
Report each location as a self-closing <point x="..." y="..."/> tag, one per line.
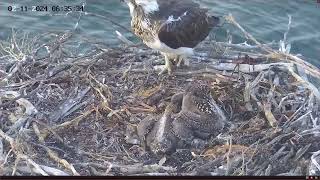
<point x="173" y="27"/>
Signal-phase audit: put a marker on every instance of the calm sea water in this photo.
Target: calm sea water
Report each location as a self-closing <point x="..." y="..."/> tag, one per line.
<point x="265" y="19"/>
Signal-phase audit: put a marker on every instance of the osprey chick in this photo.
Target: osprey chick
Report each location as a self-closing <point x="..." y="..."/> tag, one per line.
<point x="173" y="27"/>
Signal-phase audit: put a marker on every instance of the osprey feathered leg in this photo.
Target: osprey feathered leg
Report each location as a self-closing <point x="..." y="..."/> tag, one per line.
<point x="182" y="60"/>
<point x="167" y="65"/>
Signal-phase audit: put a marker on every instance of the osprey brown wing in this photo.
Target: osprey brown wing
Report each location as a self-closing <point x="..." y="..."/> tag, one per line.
<point x="188" y="29"/>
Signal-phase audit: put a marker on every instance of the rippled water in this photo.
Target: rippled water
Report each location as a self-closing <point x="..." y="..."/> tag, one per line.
<point x="266" y="20"/>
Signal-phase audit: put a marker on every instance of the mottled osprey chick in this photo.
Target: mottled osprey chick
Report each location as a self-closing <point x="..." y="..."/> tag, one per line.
<point x="156" y="134"/>
<point x="200" y="116"/>
<point x="191" y="114"/>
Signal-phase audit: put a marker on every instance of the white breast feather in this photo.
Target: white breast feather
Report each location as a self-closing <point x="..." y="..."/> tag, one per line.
<point x="162" y="47"/>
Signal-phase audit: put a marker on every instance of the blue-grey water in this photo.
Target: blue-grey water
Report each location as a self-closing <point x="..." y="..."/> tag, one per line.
<point x="266" y="19"/>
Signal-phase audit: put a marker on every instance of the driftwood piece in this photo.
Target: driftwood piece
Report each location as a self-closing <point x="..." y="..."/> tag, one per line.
<point x="50" y="170"/>
<point x="139" y="168"/>
<point x="29" y="109"/>
<point x="314" y="167"/>
<point x="247" y="68"/>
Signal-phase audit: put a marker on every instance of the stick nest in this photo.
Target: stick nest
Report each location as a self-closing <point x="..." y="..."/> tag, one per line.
<point x="70" y="113"/>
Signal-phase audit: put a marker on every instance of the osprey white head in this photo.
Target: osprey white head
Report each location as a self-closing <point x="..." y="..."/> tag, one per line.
<point x="148" y="6"/>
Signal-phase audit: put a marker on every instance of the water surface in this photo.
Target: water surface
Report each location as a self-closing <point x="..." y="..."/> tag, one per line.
<point x="266" y="20"/>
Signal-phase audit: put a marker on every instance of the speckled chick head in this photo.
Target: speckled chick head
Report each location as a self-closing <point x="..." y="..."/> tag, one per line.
<point x="200" y="95"/>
